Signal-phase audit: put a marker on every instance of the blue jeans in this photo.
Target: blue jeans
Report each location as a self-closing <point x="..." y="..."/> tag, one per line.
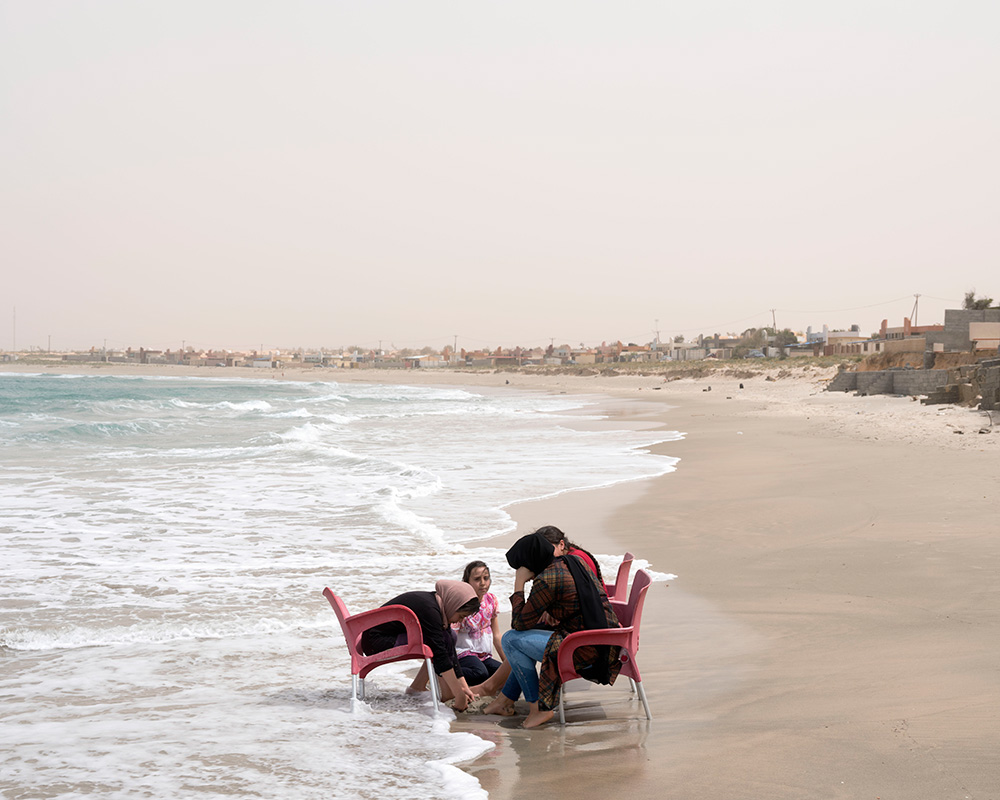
<point x="523" y="650"/>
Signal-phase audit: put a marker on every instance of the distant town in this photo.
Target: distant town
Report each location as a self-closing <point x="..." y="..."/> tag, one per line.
<point x="964" y="330"/>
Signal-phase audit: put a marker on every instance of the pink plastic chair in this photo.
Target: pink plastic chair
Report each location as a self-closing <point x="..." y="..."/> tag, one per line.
<point x="626" y="638"/>
<point x="625" y="609"/>
<point x="619" y="589"/>
<point x="361" y="664"/>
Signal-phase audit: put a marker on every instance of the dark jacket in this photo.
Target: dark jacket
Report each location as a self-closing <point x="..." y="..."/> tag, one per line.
<point x="438" y="637"/>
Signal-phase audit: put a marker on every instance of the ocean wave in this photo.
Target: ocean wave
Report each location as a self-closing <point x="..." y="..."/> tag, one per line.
<point x="82" y="431"/>
<point x="248" y="405"/>
<point x="298" y="413"/>
<point x="72" y="638"/>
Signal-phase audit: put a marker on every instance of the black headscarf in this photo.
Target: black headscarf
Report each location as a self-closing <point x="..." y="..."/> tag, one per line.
<point x="536" y="552"/>
<point x="533" y="551"/>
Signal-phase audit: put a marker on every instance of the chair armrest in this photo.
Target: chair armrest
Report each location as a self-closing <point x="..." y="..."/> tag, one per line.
<point x="612" y="636"/>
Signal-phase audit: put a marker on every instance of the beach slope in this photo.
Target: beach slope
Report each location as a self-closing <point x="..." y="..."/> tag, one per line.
<point x="834" y="631"/>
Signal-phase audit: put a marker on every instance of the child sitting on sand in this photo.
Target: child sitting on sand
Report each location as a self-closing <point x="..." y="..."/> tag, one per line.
<point x="476" y="637"/>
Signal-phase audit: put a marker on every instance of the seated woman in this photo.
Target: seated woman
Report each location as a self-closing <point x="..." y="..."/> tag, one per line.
<point x="450" y="602"/>
<point x="561" y="546"/>
<point x="477" y="636"/>
<point x="573" y="597"/>
<point x="564" y="547"/>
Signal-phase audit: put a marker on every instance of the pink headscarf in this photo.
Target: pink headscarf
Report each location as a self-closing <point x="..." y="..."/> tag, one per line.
<point x="451" y="596"/>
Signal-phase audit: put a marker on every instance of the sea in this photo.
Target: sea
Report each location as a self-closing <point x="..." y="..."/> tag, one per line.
<point x="165" y="542"/>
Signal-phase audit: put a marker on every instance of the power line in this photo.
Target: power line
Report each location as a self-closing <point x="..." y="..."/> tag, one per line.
<point x="840" y="310"/>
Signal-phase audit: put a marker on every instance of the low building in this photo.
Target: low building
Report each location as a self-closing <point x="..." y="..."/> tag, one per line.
<point x="958" y="334"/>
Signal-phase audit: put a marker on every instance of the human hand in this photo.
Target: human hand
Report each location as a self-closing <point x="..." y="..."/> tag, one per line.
<point x="464" y="696"/>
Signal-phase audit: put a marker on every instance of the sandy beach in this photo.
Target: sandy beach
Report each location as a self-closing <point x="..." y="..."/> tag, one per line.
<point x="833" y="630"/>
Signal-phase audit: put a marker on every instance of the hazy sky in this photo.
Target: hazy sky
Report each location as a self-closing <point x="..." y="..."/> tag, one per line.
<point x="323" y="173"/>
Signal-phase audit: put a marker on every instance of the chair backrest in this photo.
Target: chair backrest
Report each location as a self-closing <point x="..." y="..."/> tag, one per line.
<point x="619" y="589"/>
<point x="621" y="582"/>
<point x="626" y="612"/>
<point x="340" y="609"/>
<point x="354" y="625"/>
<point x="636" y="599"/>
<point x="353" y="644"/>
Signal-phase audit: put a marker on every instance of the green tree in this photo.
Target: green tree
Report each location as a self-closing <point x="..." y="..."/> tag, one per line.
<point x="754" y="338"/>
<point x="785" y="337"/>
<point x="973" y="303"/>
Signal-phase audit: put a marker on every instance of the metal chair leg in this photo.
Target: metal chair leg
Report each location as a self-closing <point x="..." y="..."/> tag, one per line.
<point x="642" y="696"/>
<point x="562" y="709"/>
<point x="432" y="681"/>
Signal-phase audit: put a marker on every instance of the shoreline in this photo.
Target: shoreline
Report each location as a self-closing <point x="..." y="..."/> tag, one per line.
<point x="833" y="629"/>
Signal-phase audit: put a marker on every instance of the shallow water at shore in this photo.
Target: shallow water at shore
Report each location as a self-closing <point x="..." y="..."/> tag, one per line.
<point x="166" y="541"/>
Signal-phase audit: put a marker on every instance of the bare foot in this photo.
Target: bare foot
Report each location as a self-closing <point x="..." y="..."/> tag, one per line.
<point x="411" y="689"/>
<point x="536" y="718"/>
<point x="503" y="706"/>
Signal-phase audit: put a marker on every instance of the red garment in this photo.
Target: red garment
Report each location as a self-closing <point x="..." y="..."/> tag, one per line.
<point x="586" y="559"/>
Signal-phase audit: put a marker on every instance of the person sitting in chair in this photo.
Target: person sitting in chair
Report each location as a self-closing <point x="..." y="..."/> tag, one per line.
<point x="572" y="596"/>
<point x="449" y="603"/>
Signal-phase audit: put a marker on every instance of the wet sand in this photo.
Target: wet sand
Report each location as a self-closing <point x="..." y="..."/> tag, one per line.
<point x="834" y="630"/>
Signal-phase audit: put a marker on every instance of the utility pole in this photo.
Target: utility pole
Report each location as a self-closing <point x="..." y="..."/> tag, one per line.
<point x="916" y="299"/>
<point x="774" y="322"/>
<point x="657" y="333"/>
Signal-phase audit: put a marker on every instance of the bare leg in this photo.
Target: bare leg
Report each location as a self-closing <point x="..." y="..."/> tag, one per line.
<point x="419" y="682"/>
<point x="493" y="684"/>
<point x="536" y="717"/>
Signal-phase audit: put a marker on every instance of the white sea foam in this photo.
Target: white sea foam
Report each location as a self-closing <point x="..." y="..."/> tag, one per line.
<point x="165" y="543"/>
<point x="250" y="405"/>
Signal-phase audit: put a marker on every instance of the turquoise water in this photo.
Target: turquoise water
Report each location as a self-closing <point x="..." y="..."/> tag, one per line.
<point x="165" y="543"/>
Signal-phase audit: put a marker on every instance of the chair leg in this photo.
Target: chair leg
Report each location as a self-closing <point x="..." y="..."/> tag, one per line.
<point x="361" y="682"/>
<point x="432" y="681"/>
<point x="562" y="707"/>
<point x="642" y="696"/>
<point x="631" y="686"/>
<point x="354" y="691"/>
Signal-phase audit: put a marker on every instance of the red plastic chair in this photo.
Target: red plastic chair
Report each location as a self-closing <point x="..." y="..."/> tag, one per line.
<point x="625" y="609"/>
<point x="619" y="589"/>
<point x="361" y="664"/>
<point x="626" y="638"/>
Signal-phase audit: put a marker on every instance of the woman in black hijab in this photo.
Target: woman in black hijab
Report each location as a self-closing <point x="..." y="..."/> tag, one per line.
<point x="570" y="594"/>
